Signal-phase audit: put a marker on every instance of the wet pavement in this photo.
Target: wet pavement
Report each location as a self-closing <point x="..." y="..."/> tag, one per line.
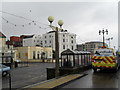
<point x="100" y="79"/>
<point x="27" y="75"/>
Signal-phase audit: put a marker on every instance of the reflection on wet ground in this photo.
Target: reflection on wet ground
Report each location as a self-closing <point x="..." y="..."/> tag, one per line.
<point x="100" y="79"/>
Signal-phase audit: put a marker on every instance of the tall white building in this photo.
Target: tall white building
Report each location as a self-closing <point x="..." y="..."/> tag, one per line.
<point x="66" y="40"/>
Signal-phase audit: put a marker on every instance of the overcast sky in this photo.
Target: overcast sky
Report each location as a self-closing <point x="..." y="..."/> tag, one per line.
<point x="85" y="19"/>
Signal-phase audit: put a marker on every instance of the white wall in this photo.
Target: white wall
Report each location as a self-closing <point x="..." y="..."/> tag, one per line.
<point x="28" y="42"/>
<point x="35" y="40"/>
<point x="2" y="47"/>
<point x="2" y="43"/>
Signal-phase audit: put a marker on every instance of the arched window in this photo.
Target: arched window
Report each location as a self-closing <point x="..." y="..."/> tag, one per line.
<point x="33" y="54"/>
<point x="38" y="55"/>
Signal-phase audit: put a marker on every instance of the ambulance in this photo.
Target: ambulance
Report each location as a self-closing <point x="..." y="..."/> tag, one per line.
<point x="104" y="58"/>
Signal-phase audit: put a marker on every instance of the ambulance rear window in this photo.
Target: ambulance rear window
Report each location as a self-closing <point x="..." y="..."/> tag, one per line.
<point x="104" y="52"/>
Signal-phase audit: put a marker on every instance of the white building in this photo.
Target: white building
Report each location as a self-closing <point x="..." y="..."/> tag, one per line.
<point x="32" y="40"/>
<point x="66" y="40"/>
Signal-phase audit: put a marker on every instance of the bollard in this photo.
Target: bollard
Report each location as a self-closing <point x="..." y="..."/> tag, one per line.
<point x="9" y="81"/>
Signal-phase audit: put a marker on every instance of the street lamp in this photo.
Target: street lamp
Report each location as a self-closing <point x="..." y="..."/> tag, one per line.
<point x="109" y="40"/>
<point x="103" y="32"/>
<point x="60" y="23"/>
<point x="50" y="19"/>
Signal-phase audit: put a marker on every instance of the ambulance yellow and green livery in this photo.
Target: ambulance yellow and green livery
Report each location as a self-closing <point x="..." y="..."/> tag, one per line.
<point x="104" y="58"/>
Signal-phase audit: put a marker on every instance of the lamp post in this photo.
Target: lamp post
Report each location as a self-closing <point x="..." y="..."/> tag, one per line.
<point x="60" y="23"/>
<point x="103" y="32"/>
<point x="9" y="80"/>
<point x="109" y="40"/>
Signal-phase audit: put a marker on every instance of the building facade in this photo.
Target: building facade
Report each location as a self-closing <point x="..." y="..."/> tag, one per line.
<point x="33" y="53"/>
<point x="2" y="45"/>
<point x="15" y="41"/>
<point x="66" y="40"/>
<point x="90" y="46"/>
<point x="2" y="42"/>
<point x="6" y="50"/>
<point x="32" y="40"/>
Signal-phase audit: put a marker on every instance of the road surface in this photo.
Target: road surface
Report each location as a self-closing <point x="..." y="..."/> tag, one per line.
<point x="100" y="79"/>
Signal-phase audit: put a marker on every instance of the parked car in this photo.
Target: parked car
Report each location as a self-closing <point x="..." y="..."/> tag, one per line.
<point x="4" y="70"/>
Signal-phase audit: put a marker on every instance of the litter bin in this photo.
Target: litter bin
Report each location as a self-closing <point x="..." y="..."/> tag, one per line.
<point x="16" y="64"/>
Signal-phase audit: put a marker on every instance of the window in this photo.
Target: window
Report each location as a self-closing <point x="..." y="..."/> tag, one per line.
<point x="71" y="36"/>
<point x="33" y="54"/>
<point x="19" y="55"/>
<point x="63" y="46"/>
<point x="38" y="55"/>
<point x="41" y="43"/>
<point x="71" y="41"/>
<point x="34" y="40"/>
<point x="50" y="41"/>
<point x="94" y="45"/>
<point x="50" y="53"/>
<point x="63" y="35"/>
<point x="45" y="41"/>
<point x="50" y="36"/>
<point x="37" y="40"/>
<point x="45" y="36"/>
<point x="72" y="47"/>
<point x="63" y="40"/>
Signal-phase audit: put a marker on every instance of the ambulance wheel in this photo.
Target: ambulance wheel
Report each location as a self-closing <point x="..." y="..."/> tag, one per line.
<point x="95" y="69"/>
<point x="115" y="69"/>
